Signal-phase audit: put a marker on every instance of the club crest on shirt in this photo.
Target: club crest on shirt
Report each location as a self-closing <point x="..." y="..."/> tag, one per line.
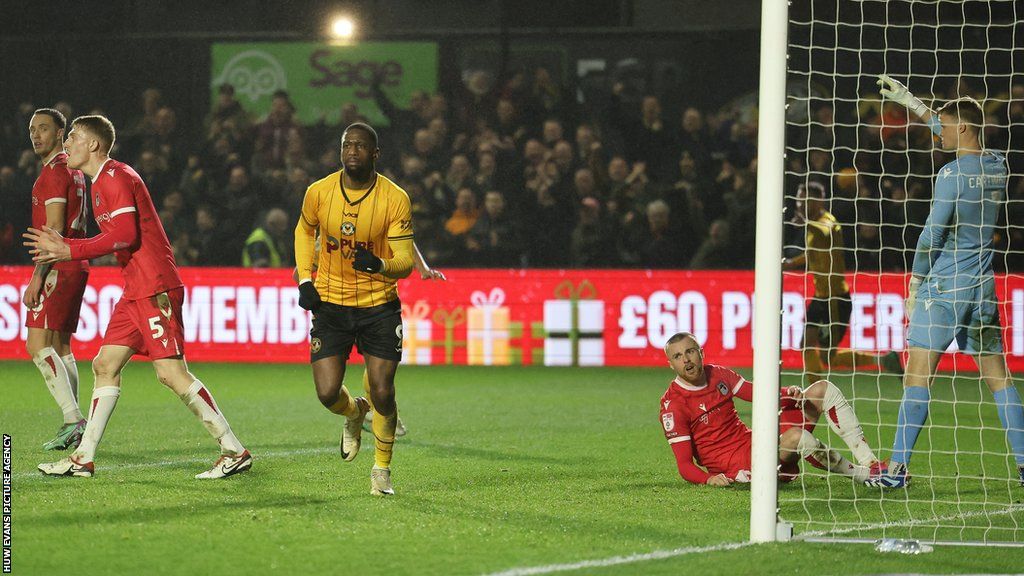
<point x="314" y="345"/>
<point x="348" y="228"/>
<point x="668" y="421"/>
<point x="722" y="388"/>
<point x="96" y="198"/>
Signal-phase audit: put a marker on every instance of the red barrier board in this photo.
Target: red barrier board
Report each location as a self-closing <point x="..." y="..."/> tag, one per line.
<point x="499" y="317"/>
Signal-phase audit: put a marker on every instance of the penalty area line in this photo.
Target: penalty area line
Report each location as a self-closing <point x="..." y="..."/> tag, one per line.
<point x="619" y="560"/>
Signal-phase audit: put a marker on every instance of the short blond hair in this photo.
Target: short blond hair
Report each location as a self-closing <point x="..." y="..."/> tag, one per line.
<point x="100" y="127"/>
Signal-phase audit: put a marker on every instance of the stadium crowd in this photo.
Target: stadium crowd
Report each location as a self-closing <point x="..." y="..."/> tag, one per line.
<point x="521" y="174"/>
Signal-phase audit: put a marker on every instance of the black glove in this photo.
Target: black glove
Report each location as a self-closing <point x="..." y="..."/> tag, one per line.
<point x="365" y="261"/>
<point x="309" y="298"/>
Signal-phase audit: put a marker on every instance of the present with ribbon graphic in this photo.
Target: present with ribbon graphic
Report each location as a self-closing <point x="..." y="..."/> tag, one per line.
<point x="416" y="333"/>
<point x="449" y="320"/>
<point x="574" y="326"/>
<point x="488" y="329"/>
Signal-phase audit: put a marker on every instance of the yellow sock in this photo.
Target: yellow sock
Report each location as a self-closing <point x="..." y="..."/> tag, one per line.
<point x="852" y="359"/>
<point x="812" y="365"/>
<point x="383" y="438"/>
<point x="345" y="405"/>
<point x="366" y="388"/>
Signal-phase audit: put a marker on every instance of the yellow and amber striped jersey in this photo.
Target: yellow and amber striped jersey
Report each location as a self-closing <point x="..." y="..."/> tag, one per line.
<point x="825" y="259"/>
<point x="345" y="220"/>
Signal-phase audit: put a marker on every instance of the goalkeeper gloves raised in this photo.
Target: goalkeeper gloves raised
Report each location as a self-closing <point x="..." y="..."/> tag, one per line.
<point x="309" y="298"/>
<point x="365" y="261"/>
<point x="892" y="89"/>
<point x="912" y="287"/>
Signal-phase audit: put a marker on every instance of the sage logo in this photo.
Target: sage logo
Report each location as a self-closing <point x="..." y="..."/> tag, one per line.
<point x="253" y="73"/>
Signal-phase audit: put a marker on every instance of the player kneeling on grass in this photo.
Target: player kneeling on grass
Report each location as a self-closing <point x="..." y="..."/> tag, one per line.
<point x="147" y="319"/>
<point x="703" y="428"/>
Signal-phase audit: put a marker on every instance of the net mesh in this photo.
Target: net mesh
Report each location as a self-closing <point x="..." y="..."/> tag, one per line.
<point x="878" y="167"/>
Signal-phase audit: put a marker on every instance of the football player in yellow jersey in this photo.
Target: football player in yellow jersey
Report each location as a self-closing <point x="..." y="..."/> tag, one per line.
<point x="828" y="314"/>
<point x="426" y="273"/>
<point x="365" y="226"/>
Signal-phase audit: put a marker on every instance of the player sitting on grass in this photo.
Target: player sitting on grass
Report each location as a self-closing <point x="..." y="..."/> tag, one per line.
<point x="704" y="430"/>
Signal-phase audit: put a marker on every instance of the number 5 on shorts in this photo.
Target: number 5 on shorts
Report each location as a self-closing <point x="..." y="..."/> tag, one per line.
<point x="154" y="325"/>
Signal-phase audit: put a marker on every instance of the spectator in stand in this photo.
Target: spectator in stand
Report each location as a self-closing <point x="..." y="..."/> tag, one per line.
<point x="460" y="222"/>
<point x="272" y="134"/>
<point x="155" y="172"/>
<point x="459" y="174"/>
<point x="227" y="109"/>
<point x="646" y="138"/>
<point x="693" y="137"/>
<point x="548" y="214"/>
<point x="716" y="252"/>
<point x="270" y="245"/>
<point x="208" y="244"/>
<point x="552" y="132"/>
<point x="590" y="237"/>
<point x="585" y="185"/>
<point x="659" y="245"/>
<point x="494" y="240"/>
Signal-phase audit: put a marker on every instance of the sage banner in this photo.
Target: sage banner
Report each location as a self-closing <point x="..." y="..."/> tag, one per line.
<point x="320" y="77"/>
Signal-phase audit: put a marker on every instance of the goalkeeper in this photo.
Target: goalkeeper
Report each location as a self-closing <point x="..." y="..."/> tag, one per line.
<point x="951" y="290"/>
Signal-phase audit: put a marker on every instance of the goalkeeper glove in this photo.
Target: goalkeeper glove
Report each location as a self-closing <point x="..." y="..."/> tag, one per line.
<point x="894" y="90"/>
<point x="365" y="261"/>
<point x="309" y="298"/>
<point x="912" y="287"/>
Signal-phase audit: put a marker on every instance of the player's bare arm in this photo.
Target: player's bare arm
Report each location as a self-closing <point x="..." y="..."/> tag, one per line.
<point x="424" y="269"/>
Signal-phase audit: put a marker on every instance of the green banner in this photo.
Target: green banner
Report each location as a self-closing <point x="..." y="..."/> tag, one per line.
<point x="320" y="77"/>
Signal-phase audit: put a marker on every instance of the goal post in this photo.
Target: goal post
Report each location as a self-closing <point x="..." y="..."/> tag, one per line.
<point x="768" y="270"/>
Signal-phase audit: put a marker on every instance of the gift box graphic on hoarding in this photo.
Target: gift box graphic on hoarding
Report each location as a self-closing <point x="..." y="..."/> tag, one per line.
<point x="416" y="333"/>
<point x="449" y="320"/>
<point x="574" y="326"/>
<point x="488" y="331"/>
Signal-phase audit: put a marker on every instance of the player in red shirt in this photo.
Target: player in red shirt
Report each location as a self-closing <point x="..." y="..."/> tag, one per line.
<point x="712" y="445"/>
<point x="54" y="294"/>
<point x="147" y="319"/>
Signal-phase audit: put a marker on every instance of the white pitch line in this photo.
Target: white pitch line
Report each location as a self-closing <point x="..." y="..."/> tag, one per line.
<point x="661" y="554"/>
<point x="257" y="456"/>
<point x="619" y="560"/>
<point x="1010" y="509"/>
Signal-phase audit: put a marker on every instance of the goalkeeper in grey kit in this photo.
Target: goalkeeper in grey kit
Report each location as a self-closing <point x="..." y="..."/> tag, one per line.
<point x="951" y="292"/>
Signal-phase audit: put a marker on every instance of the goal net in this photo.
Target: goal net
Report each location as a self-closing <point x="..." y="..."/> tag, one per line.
<point x="877" y="168"/>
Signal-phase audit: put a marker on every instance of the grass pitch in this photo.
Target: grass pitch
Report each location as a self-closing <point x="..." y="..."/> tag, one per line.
<point x="504" y="469"/>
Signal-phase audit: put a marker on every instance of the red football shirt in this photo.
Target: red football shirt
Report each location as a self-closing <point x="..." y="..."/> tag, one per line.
<point x="59" y="184"/>
<point x="707" y="417"/>
<point x="121" y="199"/>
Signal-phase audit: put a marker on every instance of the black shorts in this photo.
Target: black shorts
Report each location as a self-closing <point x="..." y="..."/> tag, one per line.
<point x="831" y="318"/>
<point x="376" y="330"/>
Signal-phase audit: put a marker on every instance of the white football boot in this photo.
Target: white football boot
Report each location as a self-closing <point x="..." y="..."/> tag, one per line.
<point x="228" y="465"/>
<point x="69" y="466"/>
<point x="352" y="432"/>
<point x="380" y="482"/>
